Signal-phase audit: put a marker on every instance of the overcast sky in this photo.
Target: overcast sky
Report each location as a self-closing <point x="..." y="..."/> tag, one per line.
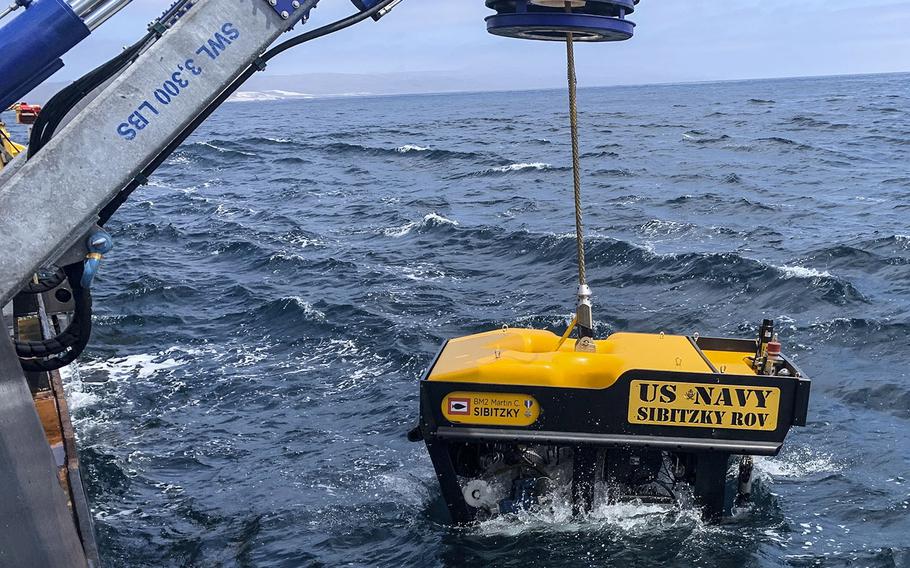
<point x="676" y="40"/>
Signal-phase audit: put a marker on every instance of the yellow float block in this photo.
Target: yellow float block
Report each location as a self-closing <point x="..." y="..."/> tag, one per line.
<point x="529" y="357"/>
<point x="8" y="148"/>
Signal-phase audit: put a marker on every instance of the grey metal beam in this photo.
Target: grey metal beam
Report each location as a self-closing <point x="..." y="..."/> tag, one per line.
<point x="36" y="525"/>
<point x="52" y="200"/>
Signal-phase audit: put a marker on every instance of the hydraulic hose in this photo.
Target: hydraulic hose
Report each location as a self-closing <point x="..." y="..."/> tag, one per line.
<point x="64" y="101"/>
<point x="60" y="351"/>
<point x="46" y="283"/>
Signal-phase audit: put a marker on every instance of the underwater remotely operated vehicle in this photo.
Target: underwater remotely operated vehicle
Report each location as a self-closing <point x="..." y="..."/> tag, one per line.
<point x="511" y="416"/>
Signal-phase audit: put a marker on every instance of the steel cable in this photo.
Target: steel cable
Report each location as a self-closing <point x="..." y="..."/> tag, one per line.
<point x="576" y="159"/>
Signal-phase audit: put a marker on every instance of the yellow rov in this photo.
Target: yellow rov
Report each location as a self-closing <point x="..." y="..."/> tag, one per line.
<point x="508" y="415"/>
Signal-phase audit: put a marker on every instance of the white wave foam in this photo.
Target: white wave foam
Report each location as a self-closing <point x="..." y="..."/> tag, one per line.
<point x="798" y="463"/>
<point x="287" y="257"/>
<point x="431" y="219"/>
<point x="411" y="148"/>
<point x="308" y="308"/>
<point x="140" y="366"/>
<point x="76" y="396"/>
<point x="223" y="150"/>
<point x="422" y="272"/>
<point x="662" y="228"/>
<point x="410" y="489"/>
<point x="802" y="272"/>
<point x="627" y="518"/>
<point x="523" y="166"/>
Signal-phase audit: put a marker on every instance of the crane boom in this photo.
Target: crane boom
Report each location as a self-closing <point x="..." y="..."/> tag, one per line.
<point x="53" y="199"/>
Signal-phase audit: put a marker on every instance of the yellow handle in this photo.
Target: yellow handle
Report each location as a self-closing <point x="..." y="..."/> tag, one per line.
<point x="567" y="333"/>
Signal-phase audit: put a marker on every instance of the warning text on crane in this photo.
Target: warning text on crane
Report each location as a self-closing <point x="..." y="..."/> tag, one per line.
<point x="737" y="407"/>
<point x="179" y="78"/>
<point x="490" y="408"/>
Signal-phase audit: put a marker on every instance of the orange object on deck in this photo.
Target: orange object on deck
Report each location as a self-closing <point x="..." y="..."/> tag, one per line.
<point x="26" y="113"/>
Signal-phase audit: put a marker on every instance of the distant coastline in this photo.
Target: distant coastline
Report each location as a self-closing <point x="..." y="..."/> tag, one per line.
<point x="340" y="85"/>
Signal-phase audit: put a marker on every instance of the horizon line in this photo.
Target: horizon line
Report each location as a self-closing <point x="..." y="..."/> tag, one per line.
<point x="310" y="96"/>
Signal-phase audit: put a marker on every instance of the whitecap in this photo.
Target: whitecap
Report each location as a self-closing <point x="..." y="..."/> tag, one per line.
<point x="799" y="463"/>
<point x="428" y="220"/>
<point x="411" y="148"/>
<point x="223" y="150"/>
<point x="140" y="366"/>
<point x="523" y="166"/>
<point x="802" y="272"/>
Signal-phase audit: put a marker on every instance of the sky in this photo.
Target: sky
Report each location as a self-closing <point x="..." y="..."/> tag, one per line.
<point x="675" y="41"/>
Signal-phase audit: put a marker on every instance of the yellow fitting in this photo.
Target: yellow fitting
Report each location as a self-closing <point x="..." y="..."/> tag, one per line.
<point x="567" y="333"/>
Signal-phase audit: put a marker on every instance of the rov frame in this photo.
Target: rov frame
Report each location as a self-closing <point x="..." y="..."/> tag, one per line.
<point x="593" y="420"/>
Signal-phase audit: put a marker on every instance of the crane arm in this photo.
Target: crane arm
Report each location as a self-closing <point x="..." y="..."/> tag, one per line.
<point x="50" y="202"/>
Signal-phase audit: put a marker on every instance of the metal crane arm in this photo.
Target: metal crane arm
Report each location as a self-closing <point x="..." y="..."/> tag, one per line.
<point x="53" y="199"/>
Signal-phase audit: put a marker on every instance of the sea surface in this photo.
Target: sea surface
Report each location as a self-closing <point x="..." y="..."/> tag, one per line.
<point x="281" y="284"/>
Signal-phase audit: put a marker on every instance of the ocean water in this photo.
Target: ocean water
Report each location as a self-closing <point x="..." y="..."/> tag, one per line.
<point x="279" y="287"/>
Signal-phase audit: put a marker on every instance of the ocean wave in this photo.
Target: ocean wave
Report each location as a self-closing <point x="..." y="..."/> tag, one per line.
<point x="802" y="272"/>
<point x="786" y="142"/>
<point x="797" y="462"/>
<point x="411" y="148"/>
<point x="223" y="148"/>
<point x="522" y="167"/>
<point x="399" y="151"/>
<point x="860" y="332"/>
<point x="614" y="172"/>
<point x="659" y="227"/>
<point x="809" y="122"/>
<point x="599" y="155"/>
<point x="890" y="397"/>
<point x="700" y="137"/>
<point x="140" y="366"/>
<point x="430" y="220"/>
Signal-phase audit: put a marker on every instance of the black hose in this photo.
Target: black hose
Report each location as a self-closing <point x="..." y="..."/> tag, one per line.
<point x="64" y="101"/>
<point x="69" y="345"/>
<point x="326" y="29"/>
<point x="46" y="283"/>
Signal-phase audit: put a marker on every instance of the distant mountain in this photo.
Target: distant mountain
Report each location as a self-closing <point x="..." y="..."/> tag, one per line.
<point x="345" y="84"/>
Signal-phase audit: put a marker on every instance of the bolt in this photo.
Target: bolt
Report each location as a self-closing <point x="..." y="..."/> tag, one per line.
<point x="285" y="15"/>
<point x="295" y="4"/>
<point x="273" y="2"/>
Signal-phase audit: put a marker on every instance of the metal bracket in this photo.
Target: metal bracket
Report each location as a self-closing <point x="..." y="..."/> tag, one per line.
<point x="287" y="8"/>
